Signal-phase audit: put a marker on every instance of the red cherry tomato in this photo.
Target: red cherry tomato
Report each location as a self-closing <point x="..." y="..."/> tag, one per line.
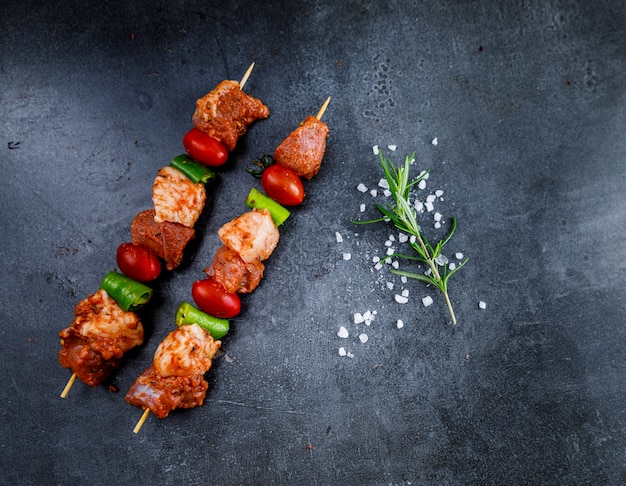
<point x="138" y="262"/>
<point x="283" y="185"/>
<point x="205" y="149"/>
<point x="214" y="300"/>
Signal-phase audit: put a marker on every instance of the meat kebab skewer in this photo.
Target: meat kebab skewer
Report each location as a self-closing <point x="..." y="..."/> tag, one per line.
<point x="162" y="232"/>
<point x="237" y="267"/>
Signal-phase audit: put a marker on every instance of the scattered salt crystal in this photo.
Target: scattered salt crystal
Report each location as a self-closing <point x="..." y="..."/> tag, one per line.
<point x="431" y="198"/>
<point x="358" y="318"/>
<point x="425" y="174"/>
<point x="435" y="141"/>
<point x="338" y="237"/>
<point x="459" y="256"/>
<point x="413" y="239"/>
<point x="363" y="338"/>
<point x="438" y="193"/>
<point x="350" y="355"/>
<point x="361" y="187"/>
<point x="395" y="264"/>
<point x="362" y="208"/>
<point x="374" y="192"/>
<point x="405" y="293"/>
<point x="375" y="149"/>
<point x="403" y="238"/>
<point x="428" y="272"/>
<point x="399" y="324"/>
<point x="452" y="266"/>
<point x="390" y="251"/>
<point x="383" y="183"/>
<point x="347" y="256"/>
<point x="388" y="243"/>
<point x="422" y="184"/>
<point x="386" y="193"/>
<point x="441" y="260"/>
<point x="342" y="351"/>
<point x="401" y="299"/>
<point x="392" y="147"/>
<point x="437" y="217"/>
<point x="437" y="225"/>
<point x="368" y="316"/>
<point x="376" y="259"/>
<point x="343" y="332"/>
<point x="429" y="206"/>
<point x="482" y="305"/>
<point x="428" y="300"/>
<point x="390" y="285"/>
<point x="391" y="238"/>
<point x="378" y="266"/>
<point x="419" y="206"/>
<point x="403" y="279"/>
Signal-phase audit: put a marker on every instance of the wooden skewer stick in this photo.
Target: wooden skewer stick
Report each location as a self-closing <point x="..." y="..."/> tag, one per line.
<point x="143" y="418"/>
<point x="246" y="76"/>
<point x="67" y="388"/>
<point x="323" y="109"/>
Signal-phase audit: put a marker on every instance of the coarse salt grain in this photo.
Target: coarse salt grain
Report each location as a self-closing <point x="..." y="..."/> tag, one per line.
<point x="452" y="266"/>
<point x="392" y="147"/>
<point x="342" y="351"/>
<point x="350" y="355"/>
<point x="429" y="206"/>
<point x="435" y="141"/>
<point x="395" y="264"/>
<point x="363" y="338"/>
<point x="374" y="193"/>
<point x="383" y="183"/>
<point x="459" y="256"/>
<point x="431" y="198"/>
<point x="347" y="256"/>
<point x="361" y="187"/>
<point x="401" y="299"/>
<point x="390" y="285"/>
<point x="405" y="293"/>
<point x="338" y="237"/>
<point x="482" y="305"/>
<point x="437" y="216"/>
<point x="399" y="324"/>
<point x="422" y="184"/>
<point x="403" y="238"/>
<point x="375" y="149"/>
<point x="428" y="300"/>
<point x="362" y="208"/>
<point x="358" y="318"/>
<point x="343" y="332"/>
<point x="376" y="259"/>
<point x="437" y="225"/>
<point x="438" y="193"/>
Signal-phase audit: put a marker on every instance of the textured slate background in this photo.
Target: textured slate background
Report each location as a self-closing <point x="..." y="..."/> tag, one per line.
<point x="527" y="102"/>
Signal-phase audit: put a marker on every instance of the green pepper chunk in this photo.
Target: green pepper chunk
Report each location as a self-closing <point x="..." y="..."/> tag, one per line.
<point x="128" y="293"/>
<point x="195" y="171"/>
<point x="188" y="314"/>
<point x="256" y="199"/>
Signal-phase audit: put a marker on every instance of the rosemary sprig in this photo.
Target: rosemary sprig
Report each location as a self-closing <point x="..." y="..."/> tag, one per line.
<point x="404" y="218"/>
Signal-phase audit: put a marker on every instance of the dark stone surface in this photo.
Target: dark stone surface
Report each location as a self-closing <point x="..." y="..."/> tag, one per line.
<point x="528" y="105"/>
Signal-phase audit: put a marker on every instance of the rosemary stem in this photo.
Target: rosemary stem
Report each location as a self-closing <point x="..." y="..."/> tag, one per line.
<point x="449" y="304"/>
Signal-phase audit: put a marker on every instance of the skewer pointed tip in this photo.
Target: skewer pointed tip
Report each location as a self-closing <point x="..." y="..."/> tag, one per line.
<point x="246" y="76"/>
<point x="141" y="421"/>
<point x="67" y="388"/>
<point x="323" y="109"/>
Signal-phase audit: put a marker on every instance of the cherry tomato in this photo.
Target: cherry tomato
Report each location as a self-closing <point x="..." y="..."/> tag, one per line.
<point x="205" y="149"/>
<point x="283" y="185"/>
<point x="138" y="262"/>
<point x="214" y="300"/>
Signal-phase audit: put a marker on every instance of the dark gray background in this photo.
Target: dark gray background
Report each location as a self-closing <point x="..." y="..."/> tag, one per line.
<point x="527" y="102"/>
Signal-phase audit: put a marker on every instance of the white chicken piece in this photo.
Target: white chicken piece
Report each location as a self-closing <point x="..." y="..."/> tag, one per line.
<point x="176" y="198"/>
<point x="253" y="235"/>
<point x="186" y="351"/>
<point x="110" y="330"/>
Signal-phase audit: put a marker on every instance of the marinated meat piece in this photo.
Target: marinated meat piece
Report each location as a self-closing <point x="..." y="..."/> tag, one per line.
<point x="252" y="235"/>
<point x="186" y="351"/>
<point x="303" y="150"/>
<point x="101" y="332"/>
<point x="77" y="355"/>
<point x="163" y="394"/>
<point x="167" y="240"/>
<point x="176" y="198"/>
<point x="175" y="379"/>
<point x="226" y="112"/>
<point x="233" y="273"/>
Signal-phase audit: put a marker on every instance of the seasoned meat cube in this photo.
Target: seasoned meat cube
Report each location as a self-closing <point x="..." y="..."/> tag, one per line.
<point x="175" y="379"/>
<point x="167" y="240"/>
<point x="233" y="273"/>
<point x="252" y="235"/>
<point x="177" y="199"/>
<point x="303" y="150"/>
<point x="226" y="112"/>
<point x="186" y="351"/>
<point x="163" y="394"/>
<point x="99" y="335"/>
